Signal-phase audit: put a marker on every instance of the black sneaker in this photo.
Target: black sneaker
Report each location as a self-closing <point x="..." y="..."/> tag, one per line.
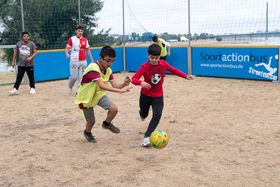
<point x="89" y="137"/>
<point x="111" y="127"/>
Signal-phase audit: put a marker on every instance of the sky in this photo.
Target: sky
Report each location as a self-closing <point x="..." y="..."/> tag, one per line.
<point x="207" y="16"/>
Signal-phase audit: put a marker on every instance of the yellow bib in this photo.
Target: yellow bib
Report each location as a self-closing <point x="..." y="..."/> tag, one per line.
<point x="90" y="93"/>
<point x="163" y="52"/>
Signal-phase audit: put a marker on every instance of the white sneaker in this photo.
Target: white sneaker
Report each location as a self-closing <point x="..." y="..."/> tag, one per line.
<point x="32" y="91"/>
<point x="14" y="92"/>
<point x="146" y="142"/>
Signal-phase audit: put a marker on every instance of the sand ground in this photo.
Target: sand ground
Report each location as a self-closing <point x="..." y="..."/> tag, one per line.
<point x="7" y="78"/>
<point x="223" y="132"/>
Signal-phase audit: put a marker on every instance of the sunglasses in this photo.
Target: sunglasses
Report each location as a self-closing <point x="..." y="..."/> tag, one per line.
<point x="109" y="60"/>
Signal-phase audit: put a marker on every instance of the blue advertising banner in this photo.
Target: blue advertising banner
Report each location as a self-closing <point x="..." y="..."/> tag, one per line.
<point x="53" y="65"/>
<point x="249" y="63"/>
<point x="117" y="66"/>
<point x="136" y="56"/>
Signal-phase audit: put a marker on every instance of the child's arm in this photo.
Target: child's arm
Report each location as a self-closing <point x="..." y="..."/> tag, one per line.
<point x="179" y="73"/>
<point x="90" y="55"/>
<point x="136" y="79"/>
<point x="68" y="46"/>
<point x="167" y="47"/>
<point x="104" y="86"/>
<point x="124" y="84"/>
<point x="66" y="52"/>
<point x="14" y="57"/>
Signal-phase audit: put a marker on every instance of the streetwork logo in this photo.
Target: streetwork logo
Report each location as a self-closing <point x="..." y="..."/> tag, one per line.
<point x="269" y="69"/>
<point x="233" y="61"/>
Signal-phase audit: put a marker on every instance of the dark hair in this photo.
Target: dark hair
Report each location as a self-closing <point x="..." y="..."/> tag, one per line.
<point x="155" y="38"/>
<point x="25" y="32"/>
<point x="154" y="50"/>
<point x="80" y="27"/>
<point x="107" y="51"/>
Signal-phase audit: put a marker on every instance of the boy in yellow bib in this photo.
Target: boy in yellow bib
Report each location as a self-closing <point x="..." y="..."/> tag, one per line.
<point x="92" y="92"/>
<point x="164" y="45"/>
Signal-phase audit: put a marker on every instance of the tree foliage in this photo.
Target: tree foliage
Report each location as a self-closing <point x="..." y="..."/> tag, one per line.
<point x="146" y="36"/>
<point x="50" y="22"/>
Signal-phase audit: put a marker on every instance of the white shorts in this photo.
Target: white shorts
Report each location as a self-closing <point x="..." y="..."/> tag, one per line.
<point x="77" y="68"/>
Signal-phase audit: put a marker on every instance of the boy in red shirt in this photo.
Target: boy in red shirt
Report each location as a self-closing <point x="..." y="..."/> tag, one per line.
<point x="153" y="72"/>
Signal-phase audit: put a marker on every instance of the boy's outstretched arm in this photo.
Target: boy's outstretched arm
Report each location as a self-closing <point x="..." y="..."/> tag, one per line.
<point x="125" y="83"/>
<point x="104" y="86"/>
<point x="136" y="80"/>
<point x="190" y="77"/>
<point x="179" y="73"/>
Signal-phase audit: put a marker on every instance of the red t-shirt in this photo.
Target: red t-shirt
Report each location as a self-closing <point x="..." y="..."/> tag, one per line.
<point x="79" y="47"/>
<point x="154" y="75"/>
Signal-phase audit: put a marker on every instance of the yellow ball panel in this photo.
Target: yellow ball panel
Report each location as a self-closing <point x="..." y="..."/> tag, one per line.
<point x="159" y="139"/>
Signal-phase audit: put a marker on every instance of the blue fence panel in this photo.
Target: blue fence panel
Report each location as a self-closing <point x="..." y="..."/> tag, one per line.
<point x="117" y="66"/>
<point x="137" y="56"/>
<point x="178" y="59"/>
<point x="249" y="63"/>
<point x="51" y="65"/>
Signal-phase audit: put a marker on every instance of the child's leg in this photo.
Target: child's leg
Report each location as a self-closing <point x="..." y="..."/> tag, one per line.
<point x="90" y="121"/>
<point x="106" y="103"/>
<point x="144" y="103"/>
<point x="74" y="66"/>
<point x="20" y="74"/>
<point x="30" y="74"/>
<point x="84" y="66"/>
<point x="90" y="118"/>
<point x="80" y="71"/>
<point x="112" y="112"/>
<point x="157" y="106"/>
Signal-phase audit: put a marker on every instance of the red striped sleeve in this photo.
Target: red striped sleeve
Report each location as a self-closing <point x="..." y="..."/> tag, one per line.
<point x="111" y="77"/>
<point x="70" y="43"/>
<point x="90" y="76"/>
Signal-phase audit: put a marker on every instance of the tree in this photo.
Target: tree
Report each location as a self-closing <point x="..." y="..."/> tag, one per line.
<point x="195" y="36"/>
<point x="189" y="36"/>
<point x="135" y="36"/>
<point x="10" y="22"/>
<point x="101" y="38"/>
<point x="50" y="23"/>
<point x="203" y="36"/>
<point x="146" y="36"/>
